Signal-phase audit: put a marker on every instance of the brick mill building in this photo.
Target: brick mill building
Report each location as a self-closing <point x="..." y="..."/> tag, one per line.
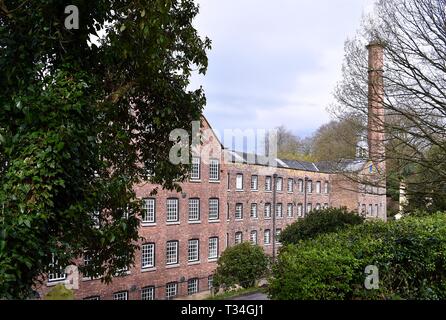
<point x="233" y="197"/>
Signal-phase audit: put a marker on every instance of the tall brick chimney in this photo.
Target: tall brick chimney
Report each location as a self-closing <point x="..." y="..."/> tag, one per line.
<point x="376" y="104"/>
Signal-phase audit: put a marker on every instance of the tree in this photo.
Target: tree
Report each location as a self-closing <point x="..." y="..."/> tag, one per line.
<point x="414" y="37"/>
<point x="242" y="264"/>
<point x="319" y="222"/>
<point x="82" y="122"/>
<point x="290" y="146"/>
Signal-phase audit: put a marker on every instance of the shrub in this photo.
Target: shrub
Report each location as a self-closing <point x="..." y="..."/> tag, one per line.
<point x="318" y="222"/>
<point x="59" y="292"/>
<point x="242" y="265"/>
<point x="410" y="255"/>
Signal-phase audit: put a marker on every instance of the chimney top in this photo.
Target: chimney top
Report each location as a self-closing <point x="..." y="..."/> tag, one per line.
<point x="375" y="43"/>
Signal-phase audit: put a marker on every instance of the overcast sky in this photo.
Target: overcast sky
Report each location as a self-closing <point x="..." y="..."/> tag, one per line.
<point x="274" y="62"/>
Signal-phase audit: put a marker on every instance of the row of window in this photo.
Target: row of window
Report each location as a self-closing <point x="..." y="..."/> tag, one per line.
<point x="369" y="210"/>
<point x="239" y="184"/>
<point x="171" y="290"/>
<point x="214" y="169"/>
<point x="172" y="210"/>
<point x="253" y="236"/>
<point x="279" y="210"/>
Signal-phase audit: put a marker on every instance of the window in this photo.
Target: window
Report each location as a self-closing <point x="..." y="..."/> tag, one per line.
<point x="309" y="207"/>
<point x="377" y="210"/>
<point x="254" y="210"/>
<point x="213" y="248"/>
<point x="228" y="212"/>
<point x="289" y="210"/>
<point x="279" y="213"/>
<point x="172" y="210"/>
<point x="148" y="211"/>
<point x="229" y="181"/>
<point x="310" y="186"/>
<point x="172" y="252"/>
<point x="318" y="187"/>
<point x="194" y="209"/>
<point x="195" y="173"/>
<point x="363" y="211"/>
<point x="290" y="185"/>
<point x="254" y="183"/>
<point x="171" y="290"/>
<point x="214" y="170"/>
<point x="370" y="210"/>
<point x="92" y="298"/>
<point x="267" y="236"/>
<point x="326" y="186"/>
<point x="227" y="240"/>
<point x="214" y="209"/>
<point x="192" y="286"/>
<point x="57" y="273"/>
<point x="278" y="232"/>
<point x="238" y="237"/>
<point x="267" y="210"/>
<point x="239" y="182"/>
<point x="318" y="206"/>
<point x="210" y="282"/>
<point x="268" y="183"/>
<point x="193" y="250"/>
<point x="253" y="237"/>
<point x="300" y="185"/>
<point x="279" y="184"/>
<point x="300" y="210"/>
<point x="325" y="205"/>
<point x="148" y="293"/>
<point x="122" y="295"/>
<point x="239" y="211"/>
<point x="147" y="255"/>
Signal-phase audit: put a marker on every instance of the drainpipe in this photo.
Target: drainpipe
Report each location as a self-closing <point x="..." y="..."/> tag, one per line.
<point x="274" y="216"/>
<point x="305" y="196"/>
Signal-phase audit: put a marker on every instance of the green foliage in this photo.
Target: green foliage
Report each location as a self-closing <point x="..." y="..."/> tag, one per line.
<point x="81" y="124"/>
<point x="59" y="292"/>
<point x="242" y="265"/>
<point x="409" y="254"/>
<point x="319" y="222"/>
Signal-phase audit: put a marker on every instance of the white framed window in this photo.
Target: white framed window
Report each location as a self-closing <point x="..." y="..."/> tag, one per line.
<point x="239" y="211"/>
<point x="377" y="210"/>
<point x="192" y="286"/>
<point x="253" y="210"/>
<point x="279" y="211"/>
<point x="148" y="210"/>
<point x="318" y="187"/>
<point x="92" y="298"/>
<point x="268" y="186"/>
<point x="325" y="205"/>
<point x="193" y="250"/>
<point x="214" y="170"/>
<point x="210" y="282"/>
<point x="253" y="237"/>
<point x="310" y="186"/>
<point x="278" y="232"/>
<point x="172" y="210"/>
<point x="289" y="210"/>
<point x="171" y="290"/>
<point x="326" y="187"/>
<point x="300" y="210"/>
<point x="309" y="207"/>
<point x="318" y="206"/>
<point x="57" y="273"/>
<point x="214" y="209"/>
<point x="194" y="209"/>
<point x="370" y="212"/>
<point x="148" y="255"/>
<point x="300" y="185"/>
<point x="213" y="248"/>
<point x="172" y="252"/>
<point x="267" y="210"/>
<point x="279" y="184"/>
<point x="267" y="236"/>
<point x="254" y="183"/>
<point x="195" y="170"/>
<point x="121" y="295"/>
<point x="238" y="237"/>
<point x="239" y="182"/>
<point x="148" y="293"/>
<point x="290" y="185"/>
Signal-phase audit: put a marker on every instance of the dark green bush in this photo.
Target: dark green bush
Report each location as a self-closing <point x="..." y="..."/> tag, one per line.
<point x="319" y="222"/>
<point x="410" y="255"/>
<point x="242" y="265"/>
